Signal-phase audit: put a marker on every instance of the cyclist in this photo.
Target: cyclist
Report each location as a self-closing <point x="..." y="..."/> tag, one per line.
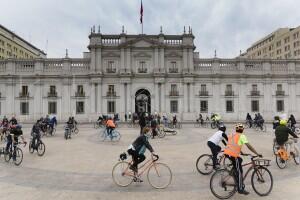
<point x="276" y="122"/>
<point x="15" y="133"/>
<point x="282" y="133"/>
<point x="110" y="126"/>
<point x="249" y="120"/>
<point x="153" y="124"/>
<point x="200" y="119"/>
<point x="292" y="120"/>
<point x="35" y="132"/>
<point x="138" y="148"/>
<point x="260" y="121"/>
<point x="213" y="143"/>
<point x="13" y="121"/>
<point x="233" y="150"/>
<point x="174" y="121"/>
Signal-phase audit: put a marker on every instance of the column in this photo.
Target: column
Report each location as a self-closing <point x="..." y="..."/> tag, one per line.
<point x="159" y="97"/>
<point x="291" y="105"/>
<point x="129" y="98"/>
<point x="192" y="97"/>
<point x="122" y="58"/>
<point x="66" y="100"/>
<point x="37" y="106"/>
<point x="92" y="99"/>
<point x="217" y="99"/>
<point x="163" y="97"/>
<point x="156" y="97"/>
<point x="93" y="59"/>
<point x="128" y="60"/>
<point x="185" y="98"/>
<point x="191" y="60"/>
<point x="268" y="102"/>
<point x="103" y="107"/>
<point x="162" y="58"/>
<point x="96" y="98"/>
<point x="156" y="58"/>
<point x="185" y="59"/>
<point x="99" y="99"/>
<point x="10" y="88"/>
<point x="243" y="101"/>
<point x="98" y="63"/>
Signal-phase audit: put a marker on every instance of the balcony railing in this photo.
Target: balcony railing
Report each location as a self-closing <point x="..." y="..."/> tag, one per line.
<point x="229" y="93"/>
<point x="52" y="94"/>
<point x="280" y="93"/>
<point x="24" y="95"/>
<point x="111" y="94"/>
<point x="111" y="70"/>
<point x="174" y="93"/>
<point x="255" y="93"/>
<point x="79" y="94"/>
<point x="142" y="70"/>
<point x="203" y="93"/>
<point x="173" y="70"/>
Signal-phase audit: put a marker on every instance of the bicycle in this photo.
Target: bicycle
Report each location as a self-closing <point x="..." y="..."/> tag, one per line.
<point x="36" y="144"/>
<point x="223" y="183"/>
<point x="115" y="135"/>
<point x="200" y="123"/>
<point x="15" y="153"/>
<point x="282" y="156"/>
<point x="206" y="161"/>
<point x="159" y="175"/>
<point x="163" y="130"/>
<point x="68" y="132"/>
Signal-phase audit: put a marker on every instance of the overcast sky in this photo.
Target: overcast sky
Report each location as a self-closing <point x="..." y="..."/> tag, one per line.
<point x="225" y="25"/>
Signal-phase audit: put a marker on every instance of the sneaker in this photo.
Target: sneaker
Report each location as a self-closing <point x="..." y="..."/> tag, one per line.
<point x="297" y="160"/>
<point x="244" y="192"/>
<point x="137" y="180"/>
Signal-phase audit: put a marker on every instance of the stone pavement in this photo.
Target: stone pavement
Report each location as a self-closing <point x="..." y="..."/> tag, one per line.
<point x="80" y="168"/>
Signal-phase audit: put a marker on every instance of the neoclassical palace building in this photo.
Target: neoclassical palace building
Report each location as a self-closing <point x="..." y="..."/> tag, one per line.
<point x="147" y="73"/>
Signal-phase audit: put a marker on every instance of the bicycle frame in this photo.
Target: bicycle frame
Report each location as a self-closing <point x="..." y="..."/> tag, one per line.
<point x="149" y="163"/>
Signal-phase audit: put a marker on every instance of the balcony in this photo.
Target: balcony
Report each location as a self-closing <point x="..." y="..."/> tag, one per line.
<point x="52" y="94"/>
<point x="79" y="94"/>
<point x="111" y="94"/>
<point x="280" y="93"/>
<point x="254" y="93"/>
<point x="111" y="70"/>
<point x="229" y="93"/>
<point x="173" y="70"/>
<point x="203" y="93"/>
<point x="174" y="93"/>
<point x="142" y="70"/>
<point x="24" y="95"/>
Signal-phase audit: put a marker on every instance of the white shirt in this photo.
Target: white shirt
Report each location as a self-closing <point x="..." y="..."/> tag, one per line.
<point x="216" y="138"/>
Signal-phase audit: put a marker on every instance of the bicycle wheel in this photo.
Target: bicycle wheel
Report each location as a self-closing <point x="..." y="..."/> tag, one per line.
<point x="96" y="125"/>
<point x="18" y="157"/>
<point x="174" y="132"/>
<point x="159" y="175"/>
<point x="116" y="136"/>
<point x="280" y="162"/>
<point x="226" y="163"/>
<point x="204" y="164"/>
<point x="31" y="149"/>
<point x="297" y="130"/>
<point x="41" y="149"/>
<point x="121" y="174"/>
<point x="161" y="133"/>
<point x="264" y="128"/>
<point x="66" y="135"/>
<point x="49" y="131"/>
<point x="197" y="125"/>
<point x="76" y="130"/>
<point x="7" y="156"/>
<point x="275" y="147"/>
<point x="213" y="125"/>
<point x="262" y="181"/>
<point x="223" y="184"/>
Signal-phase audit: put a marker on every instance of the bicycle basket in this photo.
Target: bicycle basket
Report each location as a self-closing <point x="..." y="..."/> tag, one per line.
<point x="262" y="162"/>
<point x="123" y="156"/>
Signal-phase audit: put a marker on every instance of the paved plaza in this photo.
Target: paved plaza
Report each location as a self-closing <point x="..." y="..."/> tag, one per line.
<point x="80" y="168"/>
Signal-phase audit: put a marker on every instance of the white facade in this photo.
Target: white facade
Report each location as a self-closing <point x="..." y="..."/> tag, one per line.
<point x="131" y="70"/>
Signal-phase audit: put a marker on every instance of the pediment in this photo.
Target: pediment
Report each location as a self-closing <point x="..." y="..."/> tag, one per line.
<point x="142" y="54"/>
<point x="141" y="42"/>
<point x="173" y="54"/>
<point x="111" y="54"/>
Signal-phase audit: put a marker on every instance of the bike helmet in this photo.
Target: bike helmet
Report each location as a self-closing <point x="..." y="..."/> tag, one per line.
<point x="222" y="128"/>
<point x="239" y="128"/>
<point x="283" y="122"/>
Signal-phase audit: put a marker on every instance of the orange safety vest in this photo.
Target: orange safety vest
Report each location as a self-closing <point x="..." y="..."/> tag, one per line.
<point x="232" y="148"/>
<point x="110" y="123"/>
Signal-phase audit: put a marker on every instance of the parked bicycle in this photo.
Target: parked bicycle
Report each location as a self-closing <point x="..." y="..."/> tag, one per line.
<point x="15" y="153"/>
<point x="223" y="183"/>
<point x="115" y="135"/>
<point x="204" y="163"/>
<point x="159" y="175"/>
<point x="36" y="144"/>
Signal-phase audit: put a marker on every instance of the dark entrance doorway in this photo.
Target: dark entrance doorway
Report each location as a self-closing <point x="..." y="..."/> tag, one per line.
<point x="142" y="101"/>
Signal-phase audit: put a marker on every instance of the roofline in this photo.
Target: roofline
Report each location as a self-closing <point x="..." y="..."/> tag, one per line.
<point x="42" y="52"/>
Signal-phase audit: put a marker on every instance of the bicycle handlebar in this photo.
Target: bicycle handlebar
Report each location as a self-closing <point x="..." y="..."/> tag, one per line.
<point x="252" y="156"/>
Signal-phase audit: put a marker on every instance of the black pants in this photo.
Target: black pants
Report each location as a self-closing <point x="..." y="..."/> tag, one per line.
<point x="154" y="132"/>
<point x="142" y="127"/>
<point x="136" y="157"/>
<point x="238" y="171"/>
<point x="215" y="149"/>
<point x="109" y="131"/>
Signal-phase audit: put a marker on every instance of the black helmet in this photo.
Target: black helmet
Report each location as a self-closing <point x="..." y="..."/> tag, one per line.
<point x="222" y="128"/>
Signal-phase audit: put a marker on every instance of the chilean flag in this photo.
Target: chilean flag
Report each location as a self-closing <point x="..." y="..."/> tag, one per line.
<point x="141" y="12"/>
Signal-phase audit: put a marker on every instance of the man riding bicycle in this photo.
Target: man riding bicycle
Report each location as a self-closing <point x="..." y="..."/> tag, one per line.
<point x="35" y="132"/>
<point x="15" y="133"/>
<point x="138" y="147"/>
<point x="233" y="151"/>
<point x="110" y="126"/>
<point x="282" y="133"/>
<point x="213" y="143"/>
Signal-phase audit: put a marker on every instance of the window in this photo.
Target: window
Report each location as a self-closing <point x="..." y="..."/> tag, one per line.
<point x="142" y="67"/>
<point x="203" y="87"/>
<point x="80" y="91"/>
<point x="52" y="108"/>
<point x="279" y="87"/>
<point x="24" y="108"/>
<point x="52" y="89"/>
<point x="111" y="67"/>
<point x="278" y="44"/>
<point x="203" y="106"/>
<point x="173" y="68"/>
<point x="111" y="88"/>
<point x="174" y="106"/>
<point x="286" y="40"/>
<point x="280" y="105"/>
<point x="255" y="106"/>
<point x="229" y="87"/>
<point x="229" y="106"/>
<point x="254" y="87"/>
<point x="173" y="87"/>
<point x="79" y="107"/>
<point x="24" y="90"/>
<point x="111" y="105"/>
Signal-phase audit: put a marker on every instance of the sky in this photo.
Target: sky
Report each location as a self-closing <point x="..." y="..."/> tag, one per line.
<point x="226" y="26"/>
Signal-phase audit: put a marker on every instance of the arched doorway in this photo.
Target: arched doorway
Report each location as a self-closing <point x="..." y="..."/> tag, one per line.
<point x="142" y="101"/>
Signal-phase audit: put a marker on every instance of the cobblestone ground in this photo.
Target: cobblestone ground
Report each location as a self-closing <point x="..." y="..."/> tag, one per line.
<point x="80" y="168"/>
